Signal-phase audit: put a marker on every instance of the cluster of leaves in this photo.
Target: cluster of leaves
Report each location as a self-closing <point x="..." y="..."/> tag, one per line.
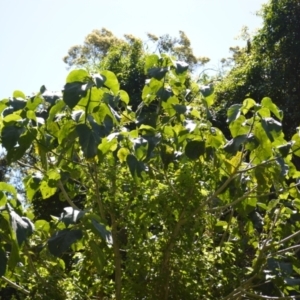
<point x="170" y="209"/>
<point x="269" y="64"/>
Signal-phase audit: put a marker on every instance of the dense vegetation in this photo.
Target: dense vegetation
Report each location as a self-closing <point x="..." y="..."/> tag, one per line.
<point x="269" y="64"/>
<point x="132" y="190"/>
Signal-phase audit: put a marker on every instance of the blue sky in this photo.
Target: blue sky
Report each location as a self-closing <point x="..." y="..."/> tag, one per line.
<point x="36" y="34"/>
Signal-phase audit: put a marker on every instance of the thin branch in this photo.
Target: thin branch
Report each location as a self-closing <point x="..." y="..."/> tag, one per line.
<point x="98" y="196"/>
<point x="117" y="258"/>
<point x="16" y="286"/>
<point x="289" y="237"/>
<point x="72" y="204"/>
<point x="240" y="289"/>
<point x="235" y="201"/>
<point x="270" y="297"/>
<point x="216" y="193"/>
<point x="286" y="250"/>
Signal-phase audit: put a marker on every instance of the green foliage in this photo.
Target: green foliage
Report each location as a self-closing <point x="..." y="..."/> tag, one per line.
<point x="169" y="208"/>
<point x="268" y="65"/>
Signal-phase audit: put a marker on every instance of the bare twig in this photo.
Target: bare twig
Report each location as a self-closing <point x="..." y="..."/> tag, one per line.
<point x="61" y="186"/>
<point x="15" y="286"/>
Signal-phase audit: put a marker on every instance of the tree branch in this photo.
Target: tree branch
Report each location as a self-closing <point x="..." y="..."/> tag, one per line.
<point x="71" y="203"/>
<point x="15" y="286"/>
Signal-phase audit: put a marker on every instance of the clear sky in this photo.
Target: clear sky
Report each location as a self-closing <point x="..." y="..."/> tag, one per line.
<point x="36" y="34"/>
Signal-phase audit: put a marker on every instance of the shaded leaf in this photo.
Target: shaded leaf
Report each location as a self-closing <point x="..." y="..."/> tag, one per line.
<point x="88" y="140"/>
<point x="73" y="92"/>
<point x="61" y="241"/>
<point x="234" y="144"/>
<point x="195" y="149"/>
<point x="181" y="67"/>
<point x="157" y="73"/>
<point x="233" y="112"/>
<point x="136" y="167"/>
<point x="103" y="232"/>
<point x="284" y="150"/>
<point x="99" y="80"/>
<point x="271" y="127"/>
<point x="10" y="136"/>
<point x="22" y="226"/>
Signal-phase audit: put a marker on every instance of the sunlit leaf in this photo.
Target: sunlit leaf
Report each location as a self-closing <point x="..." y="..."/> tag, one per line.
<point x="19" y="94"/>
<point x="79" y="75"/>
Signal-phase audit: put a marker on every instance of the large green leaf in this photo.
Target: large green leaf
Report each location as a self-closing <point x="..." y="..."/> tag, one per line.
<point x="48" y="185"/>
<point x="10" y="136"/>
<point x="123" y="96"/>
<point x="239" y="126"/>
<point x="271" y="127"/>
<point x="103" y="232"/>
<point x="136" y="167"/>
<point x="140" y="148"/>
<point x="151" y="61"/>
<point x="62" y="240"/>
<point x="111" y="81"/>
<point x="194" y="149"/>
<point x="8" y="188"/>
<point x="284" y="150"/>
<point x="79" y="75"/>
<point x="73" y="92"/>
<point x="157" y="73"/>
<point x="24" y="143"/>
<point x="19" y="94"/>
<point x="66" y="133"/>
<point x="233" y="112"/>
<point x="181" y="67"/>
<point x="247" y="105"/>
<point x="164" y="93"/>
<point x="17" y="104"/>
<point x="267" y="102"/>
<point x="3" y="200"/>
<point x="22" y="226"/>
<point x="34" y="102"/>
<point x="88" y="140"/>
<point x="150" y="90"/>
<point x="234" y="144"/>
<point x="169" y="105"/>
<point x="99" y="80"/>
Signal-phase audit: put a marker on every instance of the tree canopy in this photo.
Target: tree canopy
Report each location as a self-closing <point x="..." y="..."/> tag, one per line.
<point x="269" y="64"/>
<point x="147" y="199"/>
